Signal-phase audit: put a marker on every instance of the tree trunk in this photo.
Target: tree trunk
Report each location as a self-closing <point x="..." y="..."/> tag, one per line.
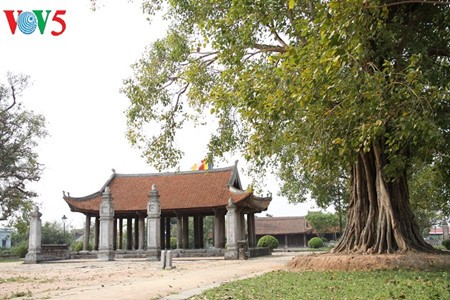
<point x="380" y="218"/>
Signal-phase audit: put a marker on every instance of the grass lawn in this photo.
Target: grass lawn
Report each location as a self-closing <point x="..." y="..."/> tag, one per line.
<point x="337" y="285"/>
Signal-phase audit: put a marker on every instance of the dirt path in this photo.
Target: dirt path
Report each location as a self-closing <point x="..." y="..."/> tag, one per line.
<point x="127" y="279"/>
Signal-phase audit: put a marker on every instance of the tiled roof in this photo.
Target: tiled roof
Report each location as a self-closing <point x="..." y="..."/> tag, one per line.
<point x="281" y="225"/>
<point x="182" y="190"/>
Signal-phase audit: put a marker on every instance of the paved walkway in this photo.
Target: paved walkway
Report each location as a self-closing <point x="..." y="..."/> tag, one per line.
<point x="127" y="278"/>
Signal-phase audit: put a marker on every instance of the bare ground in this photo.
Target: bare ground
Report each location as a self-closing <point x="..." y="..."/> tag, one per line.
<point x="348" y="262"/>
<point x="127" y="278"/>
<point x="141" y="279"/>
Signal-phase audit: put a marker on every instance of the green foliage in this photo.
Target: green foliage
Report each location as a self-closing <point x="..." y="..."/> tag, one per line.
<point x="20" y="249"/>
<point x="308" y="89"/>
<point x="78" y="246"/>
<point x="19" y="131"/>
<point x="268" y="241"/>
<point x="315" y="242"/>
<point x="277" y="79"/>
<point x="322" y="222"/>
<point x="446" y="244"/>
<point x="53" y="233"/>
<point x="173" y="242"/>
<point x="336" y="285"/>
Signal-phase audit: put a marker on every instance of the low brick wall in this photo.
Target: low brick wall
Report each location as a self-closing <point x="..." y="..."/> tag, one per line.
<point x="55" y="251"/>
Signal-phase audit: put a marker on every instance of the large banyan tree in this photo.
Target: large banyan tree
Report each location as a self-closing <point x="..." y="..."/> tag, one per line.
<point x="312" y="89"/>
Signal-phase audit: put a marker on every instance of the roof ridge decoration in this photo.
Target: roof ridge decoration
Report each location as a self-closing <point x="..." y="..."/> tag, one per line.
<point x="190" y="172"/>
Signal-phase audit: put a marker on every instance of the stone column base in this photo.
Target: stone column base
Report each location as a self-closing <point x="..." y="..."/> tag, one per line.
<point x="33" y="258"/>
<point x="231" y="253"/>
<point x="153" y="255"/>
<point x="106" y="255"/>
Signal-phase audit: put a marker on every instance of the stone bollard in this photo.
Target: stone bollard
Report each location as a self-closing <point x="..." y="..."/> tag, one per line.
<point x="169" y="260"/>
<point x="163" y="259"/>
<point x="166" y="260"/>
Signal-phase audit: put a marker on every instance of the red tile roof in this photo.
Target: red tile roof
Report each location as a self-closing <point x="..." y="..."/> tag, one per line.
<point x="181" y="190"/>
<point x="281" y="225"/>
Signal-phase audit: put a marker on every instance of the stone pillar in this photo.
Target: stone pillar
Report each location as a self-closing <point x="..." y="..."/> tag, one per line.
<point x="141" y="232"/>
<point x="162" y="227"/>
<point x="115" y="234"/>
<point x="185" y="232"/>
<point x="200" y="233"/>
<point x="96" y="233"/>
<point x="153" y="223"/>
<point x="251" y="230"/>
<point x="196" y="233"/>
<point x="233" y="232"/>
<point x="219" y="229"/>
<point x="129" y="233"/>
<point x="120" y="233"/>
<point x="445" y="233"/>
<point x="106" y="249"/>
<point x="35" y="238"/>
<point x="167" y="232"/>
<point x="242" y="231"/>
<point x="136" y="233"/>
<point x="87" y="232"/>
<point x="179" y="232"/>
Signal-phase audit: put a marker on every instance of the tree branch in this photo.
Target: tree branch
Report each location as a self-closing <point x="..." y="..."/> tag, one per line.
<point x="269" y="48"/>
<point x="412" y="1"/>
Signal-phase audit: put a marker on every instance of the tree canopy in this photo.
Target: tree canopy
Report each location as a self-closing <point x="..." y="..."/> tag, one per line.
<point x="19" y="132"/>
<point x="322" y="222"/>
<point x="313" y="89"/>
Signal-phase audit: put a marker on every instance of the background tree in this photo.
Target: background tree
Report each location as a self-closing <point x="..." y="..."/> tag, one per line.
<point x="19" y="131"/>
<point x="307" y="88"/>
<point x="322" y="222"/>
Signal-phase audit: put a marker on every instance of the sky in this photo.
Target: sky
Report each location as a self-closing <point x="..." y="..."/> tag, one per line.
<point x="76" y="79"/>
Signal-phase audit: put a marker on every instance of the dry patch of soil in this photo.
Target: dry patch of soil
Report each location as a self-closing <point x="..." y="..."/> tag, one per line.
<point x="354" y="262"/>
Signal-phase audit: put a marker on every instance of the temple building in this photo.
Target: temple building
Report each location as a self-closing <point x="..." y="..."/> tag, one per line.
<point x="171" y="198"/>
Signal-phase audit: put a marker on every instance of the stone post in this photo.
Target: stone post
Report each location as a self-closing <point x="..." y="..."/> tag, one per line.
<point x="185" y="232"/>
<point x="445" y="233"/>
<point x="87" y="233"/>
<point x="141" y="232"/>
<point x="96" y="233"/>
<point x="231" y="251"/>
<point x="106" y="248"/>
<point x="34" y="241"/>
<point x="251" y="230"/>
<point x="153" y="225"/>
<point x="219" y="229"/>
<point x="179" y="231"/>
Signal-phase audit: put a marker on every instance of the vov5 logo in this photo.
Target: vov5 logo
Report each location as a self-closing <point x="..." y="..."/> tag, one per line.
<point x="28" y="21"/>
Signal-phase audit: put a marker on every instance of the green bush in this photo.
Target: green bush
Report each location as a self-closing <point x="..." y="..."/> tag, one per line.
<point x="315" y="242"/>
<point x="78" y="246"/>
<point x="446" y="244"/>
<point x="173" y="243"/>
<point x="20" y="249"/>
<point x="324" y="239"/>
<point x="268" y="241"/>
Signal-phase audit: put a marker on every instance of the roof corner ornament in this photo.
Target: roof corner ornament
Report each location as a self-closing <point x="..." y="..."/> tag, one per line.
<point x="64" y="194"/>
<point x="236" y="162"/>
<point x="113" y="170"/>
